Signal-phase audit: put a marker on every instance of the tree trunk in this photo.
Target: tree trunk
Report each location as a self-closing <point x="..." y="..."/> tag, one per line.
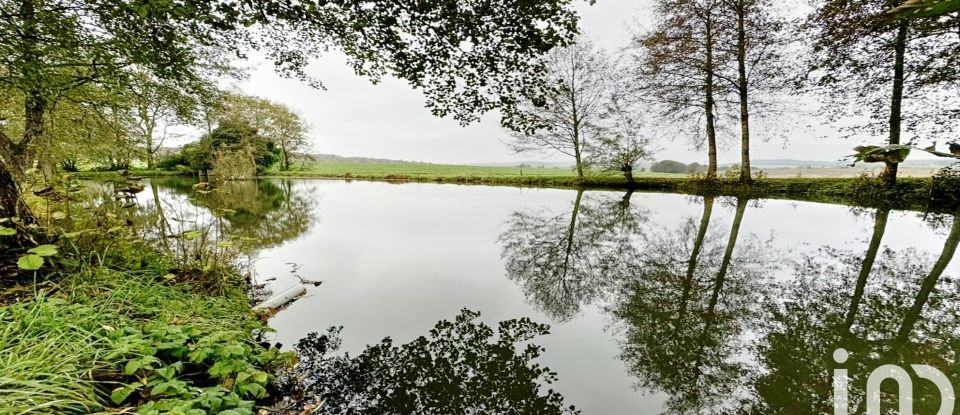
<point x="45" y="160"/>
<point x="879" y="228"/>
<point x="743" y="86"/>
<point x="11" y="202"/>
<point x="731" y="244"/>
<point x="695" y="255"/>
<point x="150" y="149"/>
<point x="576" y="153"/>
<point x="571" y="232"/>
<point x="286" y="157"/>
<point x="34" y="101"/>
<point x="710" y="104"/>
<point x="896" y="99"/>
<point x="929" y="283"/>
<point x="628" y="173"/>
<point x="721" y="279"/>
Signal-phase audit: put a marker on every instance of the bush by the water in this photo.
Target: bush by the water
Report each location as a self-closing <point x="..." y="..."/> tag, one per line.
<point x="230" y="137"/>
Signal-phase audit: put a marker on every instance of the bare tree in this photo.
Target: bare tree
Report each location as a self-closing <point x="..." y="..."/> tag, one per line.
<point x="624" y="137"/>
<point x="569" y="117"/>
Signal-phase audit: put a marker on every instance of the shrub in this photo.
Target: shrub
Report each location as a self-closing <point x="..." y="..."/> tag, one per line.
<point x="234" y="164"/>
<point x="172" y="161"/>
<point x="946" y="186"/>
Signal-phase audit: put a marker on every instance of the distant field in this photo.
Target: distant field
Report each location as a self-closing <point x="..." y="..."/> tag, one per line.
<point x="448" y="171"/>
<point x="834" y="173"/>
<point x="418" y="170"/>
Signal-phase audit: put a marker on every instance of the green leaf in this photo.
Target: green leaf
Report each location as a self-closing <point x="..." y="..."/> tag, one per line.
<point x="5" y="231"/>
<point x="925" y="8"/>
<point x="58" y="215"/>
<point x="44" y="250"/>
<point x="260" y="377"/>
<point x="72" y="235"/>
<point x="30" y="262"/>
<point x="191" y="235"/>
<point x="131" y="367"/>
<point x="122" y="393"/>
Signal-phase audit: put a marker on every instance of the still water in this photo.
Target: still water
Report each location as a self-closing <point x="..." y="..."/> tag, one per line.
<point x="657" y="303"/>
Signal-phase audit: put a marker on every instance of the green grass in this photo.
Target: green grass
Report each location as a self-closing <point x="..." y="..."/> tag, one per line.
<point x="822" y="185"/>
<point x="430" y="172"/>
<point x="103" y="175"/>
<point x="832" y="186"/>
<point x="102" y="330"/>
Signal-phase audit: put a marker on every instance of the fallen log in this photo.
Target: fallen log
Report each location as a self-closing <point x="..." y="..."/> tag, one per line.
<point x="280" y="301"/>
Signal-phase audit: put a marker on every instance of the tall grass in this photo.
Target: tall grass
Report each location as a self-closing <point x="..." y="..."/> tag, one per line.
<point x="63" y="354"/>
<point x="50" y="351"/>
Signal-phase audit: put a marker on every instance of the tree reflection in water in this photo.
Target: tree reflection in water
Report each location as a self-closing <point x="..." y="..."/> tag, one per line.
<point x="262" y="213"/>
<point x="905" y="313"/>
<point x="563" y="261"/>
<point x="461" y="367"/>
<point x="687" y="299"/>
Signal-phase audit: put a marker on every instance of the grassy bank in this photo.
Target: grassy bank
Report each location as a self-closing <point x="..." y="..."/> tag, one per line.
<point x="442" y="172"/>
<point x="912" y="193"/>
<point x="109" y="339"/>
<point x="821" y="185"/>
<point x="108" y="324"/>
<point x="104" y="175"/>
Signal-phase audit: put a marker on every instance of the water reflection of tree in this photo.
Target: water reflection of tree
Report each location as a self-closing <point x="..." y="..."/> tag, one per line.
<point x="461" y="367"/>
<point x="562" y="261"/>
<point x="263" y="214"/>
<point x="688" y="302"/>
<point x="884" y="307"/>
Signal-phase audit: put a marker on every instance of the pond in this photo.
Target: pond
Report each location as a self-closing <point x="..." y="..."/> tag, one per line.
<point x="657" y="303"/>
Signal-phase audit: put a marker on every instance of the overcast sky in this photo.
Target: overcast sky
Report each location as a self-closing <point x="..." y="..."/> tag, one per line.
<point x="356" y="118"/>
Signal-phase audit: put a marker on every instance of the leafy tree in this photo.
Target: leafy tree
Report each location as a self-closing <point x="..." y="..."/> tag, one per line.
<point x="254" y="215"/>
<point x="554" y="260"/>
<point x="857" y="48"/>
<point x="158" y="104"/>
<point x="759" y="42"/>
<point x="232" y="136"/>
<point x="904" y="313"/>
<point x="562" y="261"/>
<point x="679" y="62"/>
<point x="685" y="306"/>
<point x="273" y="120"/>
<point x="486" y="56"/>
<point x="569" y="117"/>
